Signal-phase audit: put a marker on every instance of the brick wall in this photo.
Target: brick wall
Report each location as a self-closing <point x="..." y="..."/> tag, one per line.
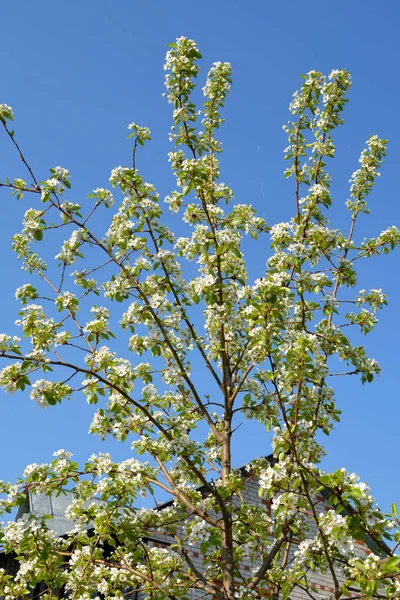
<point x="321" y="583"/>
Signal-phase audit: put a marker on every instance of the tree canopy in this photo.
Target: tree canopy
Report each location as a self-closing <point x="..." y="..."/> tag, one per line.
<point x="150" y="317"/>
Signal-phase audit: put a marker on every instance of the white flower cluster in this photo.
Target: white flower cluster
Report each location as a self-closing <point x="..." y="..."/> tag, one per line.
<point x="141" y="133"/>
<point x="61" y="174"/>
<point x="33" y="224"/>
<point x="10" y="375"/>
<point x="337" y="534"/>
<point x="70" y="249"/>
<point x="62" y="453"/>
<point x="102" y="463"/>
<point x="117" y="174"/>
<point x="104" y="196"/>
<point x="15" y="531"/>
<point x="49" y="393"/>
<point x="6" y="112"/>
<point x="99" y="325"/>
<point x="198" y="531"/>
<point x="243" y="593"/>
<point x="54" y="185"/>
<point x="375" y="298"/>
<point x="176" y="58"/>
<point x="362" y="180"/>
<point x="33" y="468"/>
<point x="272" y="476"/>
<point x="66" y="301"/>
<point x="7" y="342"/>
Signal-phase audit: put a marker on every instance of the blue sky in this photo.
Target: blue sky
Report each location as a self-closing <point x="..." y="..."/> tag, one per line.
<point x="76" y="74"/>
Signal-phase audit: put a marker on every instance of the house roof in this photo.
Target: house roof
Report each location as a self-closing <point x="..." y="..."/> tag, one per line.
<point x="40" y="505"/>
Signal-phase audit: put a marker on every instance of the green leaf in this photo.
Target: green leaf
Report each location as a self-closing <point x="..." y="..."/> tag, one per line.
<point x="214" y="540"/>
<point x="355" y="492"/>
<point x="390" y="564"/>
<point x="44" y="555"/>
<point x="286" y="587"/>
<point x="326" y="479"/>
<point x="354" y="523"/>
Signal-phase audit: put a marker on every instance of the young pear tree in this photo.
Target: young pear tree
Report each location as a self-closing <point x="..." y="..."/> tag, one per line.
<point x="126" y="331"/>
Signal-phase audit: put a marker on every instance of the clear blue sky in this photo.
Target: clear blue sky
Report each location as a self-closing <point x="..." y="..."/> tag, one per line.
<point x="77" y="73"/>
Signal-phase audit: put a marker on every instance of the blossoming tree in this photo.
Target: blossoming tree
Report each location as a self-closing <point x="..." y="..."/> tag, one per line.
<point x="268" y="348"/>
